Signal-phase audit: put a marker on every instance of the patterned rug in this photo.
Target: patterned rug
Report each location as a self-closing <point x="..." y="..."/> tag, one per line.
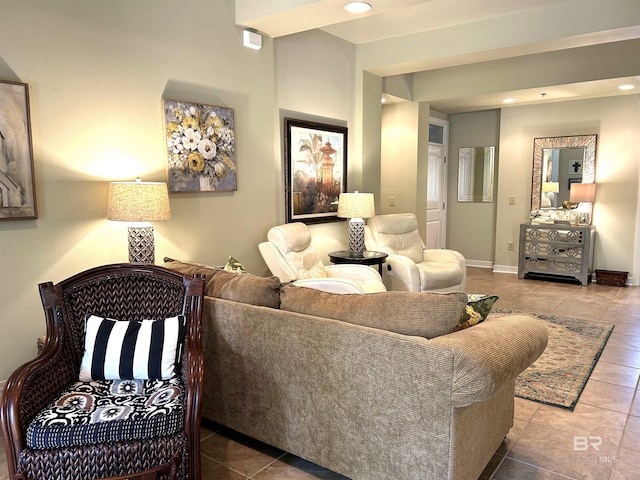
<point x="558" y="377"/>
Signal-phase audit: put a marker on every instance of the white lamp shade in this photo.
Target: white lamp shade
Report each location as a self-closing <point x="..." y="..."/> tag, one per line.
<point x="582" y="192"/>
<point x="553" y="187"/>
<point x="138" y="201"/>
<point x="356" y="205"/>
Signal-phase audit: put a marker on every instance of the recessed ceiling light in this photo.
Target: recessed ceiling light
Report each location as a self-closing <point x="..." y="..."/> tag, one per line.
<point x="357" y="7"/>
<point x="508" y="100"/>
<point x="627" y="86"/>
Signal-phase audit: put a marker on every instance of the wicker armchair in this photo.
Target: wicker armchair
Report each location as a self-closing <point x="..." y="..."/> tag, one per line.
<point x="126" y="292"/>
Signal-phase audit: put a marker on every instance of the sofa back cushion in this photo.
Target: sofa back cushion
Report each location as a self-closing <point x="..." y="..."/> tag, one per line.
<point x="426" y="315"/>
<point x="238" y="287"/>
<point x="189" y="268"/>
<point x="244" y="288"/>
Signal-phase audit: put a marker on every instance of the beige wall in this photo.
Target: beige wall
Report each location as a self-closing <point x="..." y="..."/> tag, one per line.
<point x="404" y="160"/>
<point x="399" y="157"/>
<point x="581" y="64"/>
<point x="316" y="81"/>
<point x="471" y="226"/>
<point x="616" y="121"/>
<point x="97" y="73"/>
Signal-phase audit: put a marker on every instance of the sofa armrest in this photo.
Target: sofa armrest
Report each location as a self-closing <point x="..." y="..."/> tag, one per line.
<point x="489" y="354"/>
<point x="442" y="255"/>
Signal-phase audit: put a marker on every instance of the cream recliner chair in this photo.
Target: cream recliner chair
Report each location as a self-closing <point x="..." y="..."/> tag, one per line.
<point x="410" y="266"/>
<point x="290" y="257"/>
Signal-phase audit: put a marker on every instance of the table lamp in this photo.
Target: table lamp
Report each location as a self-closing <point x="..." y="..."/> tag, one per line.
<point x="585" y="194"/>
<point x="356" y="206"/>
<point x="140" y="202"/>
<point x="550" y="189"/>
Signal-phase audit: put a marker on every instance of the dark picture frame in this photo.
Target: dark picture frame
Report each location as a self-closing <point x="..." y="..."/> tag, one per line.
<point x="201" y="147"/>
<point x="315" y="170"/>
<point x="17" y="181"/>
<point x="573" y="180"/>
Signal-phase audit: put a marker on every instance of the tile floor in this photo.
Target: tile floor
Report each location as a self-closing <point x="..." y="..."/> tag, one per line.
<point x="540" y="446"/>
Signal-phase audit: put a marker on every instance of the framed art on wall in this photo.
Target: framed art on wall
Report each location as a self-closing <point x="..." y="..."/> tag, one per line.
<point x="575" y="167"/>
<point x="201" y="147"/>
<point x="17" y="182"/>
<point x="315" y="170"/>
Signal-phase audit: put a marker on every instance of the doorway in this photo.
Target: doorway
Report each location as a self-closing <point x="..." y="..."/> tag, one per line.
<point x="436" y="228"/>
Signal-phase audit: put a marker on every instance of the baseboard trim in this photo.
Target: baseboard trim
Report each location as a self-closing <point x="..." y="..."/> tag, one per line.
<point x="631" y="282"/>
<point x="505" y="269"/>
<point x="480" y="263"/>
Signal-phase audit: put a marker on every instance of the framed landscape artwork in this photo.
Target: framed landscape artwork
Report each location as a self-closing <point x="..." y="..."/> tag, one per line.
<point x="17" y="182"/>
<point x="201" y="147"/>
<point x="315" y="170"/>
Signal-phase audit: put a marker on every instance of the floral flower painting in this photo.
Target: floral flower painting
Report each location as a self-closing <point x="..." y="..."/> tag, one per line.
<point x="316" y="166"/>
<point x="201" y="151"/>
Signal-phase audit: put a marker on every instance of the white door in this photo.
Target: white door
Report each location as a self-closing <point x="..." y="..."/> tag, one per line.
<point x="437" y="184"/>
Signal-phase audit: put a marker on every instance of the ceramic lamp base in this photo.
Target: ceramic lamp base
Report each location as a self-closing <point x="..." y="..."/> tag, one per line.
<point x="356" y="237"/>
<point x="141" y="245"/>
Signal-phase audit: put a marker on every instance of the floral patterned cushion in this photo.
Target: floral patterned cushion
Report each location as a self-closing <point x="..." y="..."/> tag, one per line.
<point x="234" y="266"/>
<point x="476" y="311"/>
<point x="109" y="411"/>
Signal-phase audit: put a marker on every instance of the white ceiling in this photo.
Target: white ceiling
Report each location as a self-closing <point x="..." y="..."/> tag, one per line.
<point x="387" y="18"/>
<point x="553" y="93"/>
<point x="396" y="18"/>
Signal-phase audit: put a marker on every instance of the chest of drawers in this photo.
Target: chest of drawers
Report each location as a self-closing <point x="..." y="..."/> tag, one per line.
<point x="556" y="250"/>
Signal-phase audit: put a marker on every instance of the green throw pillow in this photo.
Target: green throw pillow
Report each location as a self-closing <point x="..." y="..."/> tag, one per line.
<point x="476" y="311"/>
<point x="234" y="265"/>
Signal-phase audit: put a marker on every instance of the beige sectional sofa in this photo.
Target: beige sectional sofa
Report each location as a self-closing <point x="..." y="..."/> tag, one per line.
<point x="375" y="387"/>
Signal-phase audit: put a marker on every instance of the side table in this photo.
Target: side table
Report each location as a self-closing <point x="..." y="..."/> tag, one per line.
<point x="368" y="258"/>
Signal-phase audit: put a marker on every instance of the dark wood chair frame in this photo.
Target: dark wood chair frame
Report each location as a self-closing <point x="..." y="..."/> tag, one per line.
<point x="125" y="292"/>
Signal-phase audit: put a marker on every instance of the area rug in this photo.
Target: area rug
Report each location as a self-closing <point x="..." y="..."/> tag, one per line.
<point x="560" y="374"/>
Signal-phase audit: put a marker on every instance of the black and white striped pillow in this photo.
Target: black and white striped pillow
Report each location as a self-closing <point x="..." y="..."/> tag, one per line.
<point x="130" y="350"/>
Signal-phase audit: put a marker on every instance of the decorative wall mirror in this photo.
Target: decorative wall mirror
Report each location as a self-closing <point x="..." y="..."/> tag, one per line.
<point x="475" y="174"/>
<point x="557" y="163"/>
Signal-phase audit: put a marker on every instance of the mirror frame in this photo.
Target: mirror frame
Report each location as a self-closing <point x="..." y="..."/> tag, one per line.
<point x="588" y="142"/>
<point x="488" y="153"/>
